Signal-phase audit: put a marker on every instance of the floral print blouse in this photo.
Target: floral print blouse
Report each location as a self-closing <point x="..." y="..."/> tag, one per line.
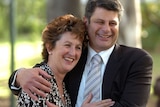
<point x="54" y="97"/>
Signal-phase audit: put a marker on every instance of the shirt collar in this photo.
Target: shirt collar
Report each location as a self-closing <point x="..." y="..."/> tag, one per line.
<point x="104" y="54"/>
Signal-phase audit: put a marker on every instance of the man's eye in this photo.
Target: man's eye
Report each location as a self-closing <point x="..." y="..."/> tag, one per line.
<point x="99" y="22"/>
<point x="113" y="24"/>
<point x="67" y="45"/>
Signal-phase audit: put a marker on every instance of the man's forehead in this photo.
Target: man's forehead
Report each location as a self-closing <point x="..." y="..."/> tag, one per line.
<point x="103" y="14"/>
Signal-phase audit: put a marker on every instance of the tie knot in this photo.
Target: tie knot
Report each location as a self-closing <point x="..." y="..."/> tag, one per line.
<point x="96" y="59"/>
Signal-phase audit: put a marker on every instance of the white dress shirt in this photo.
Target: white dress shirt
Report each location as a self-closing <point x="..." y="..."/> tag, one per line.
<point x="105" y="56"/>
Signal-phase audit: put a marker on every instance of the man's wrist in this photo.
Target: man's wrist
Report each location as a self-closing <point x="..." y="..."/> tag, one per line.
<point x="17" y="83"/>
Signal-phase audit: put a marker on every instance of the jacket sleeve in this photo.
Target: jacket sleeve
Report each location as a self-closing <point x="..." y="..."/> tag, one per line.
<point x="11" y="82"/>
<point x="137" y="85"/>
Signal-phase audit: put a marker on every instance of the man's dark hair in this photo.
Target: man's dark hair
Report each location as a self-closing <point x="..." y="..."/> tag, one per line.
<point x="113" y="5"/>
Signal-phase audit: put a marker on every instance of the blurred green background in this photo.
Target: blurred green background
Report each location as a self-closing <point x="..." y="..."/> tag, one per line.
<point x="30" y="19"/>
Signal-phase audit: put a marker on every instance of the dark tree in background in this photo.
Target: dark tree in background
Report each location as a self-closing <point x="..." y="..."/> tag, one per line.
<point x="60" y="7"/>
<point x="130" y="26"/>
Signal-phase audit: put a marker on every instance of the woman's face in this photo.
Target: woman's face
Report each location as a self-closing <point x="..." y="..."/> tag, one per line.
<point x="66" y="53"/>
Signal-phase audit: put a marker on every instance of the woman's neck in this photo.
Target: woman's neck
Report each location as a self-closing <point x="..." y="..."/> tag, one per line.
<point x="59" y="80"/>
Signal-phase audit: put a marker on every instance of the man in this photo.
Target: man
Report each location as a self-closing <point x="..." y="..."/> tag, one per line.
<point x="125" y="71"/>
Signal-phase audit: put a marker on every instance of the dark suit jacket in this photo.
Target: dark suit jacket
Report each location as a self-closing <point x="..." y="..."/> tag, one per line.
<point x="127" y="77"/>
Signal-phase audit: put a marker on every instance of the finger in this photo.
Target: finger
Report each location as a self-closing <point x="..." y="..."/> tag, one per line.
<point x="89" y="98"/>
<point x="86" y="103"/>
<point x="33" y="91"/>
<point x="38" y="92"/>
<point x="42" y="78"/>
<point x="42" y="84"/>
<point x="112" y="103"/>
<point x="103" y="101"/>
<point x="107" y="102"/>
<point x="44" y="74"/>
<point x="37" y="84"/>
<point x="37" y="88"/>
<point x="34" y="97"/>
<point x="50" y="104"/>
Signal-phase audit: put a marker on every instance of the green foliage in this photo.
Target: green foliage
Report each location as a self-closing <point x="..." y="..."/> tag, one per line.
<point x="30" y="18"/>
<point x="4" y="12"/>
<point x="151" y="25"/>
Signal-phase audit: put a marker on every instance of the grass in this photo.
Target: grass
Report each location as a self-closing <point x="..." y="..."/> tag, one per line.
<point x="26" y="55"/>
<point x="29" y="53"/>
<point x="156" y="65"/>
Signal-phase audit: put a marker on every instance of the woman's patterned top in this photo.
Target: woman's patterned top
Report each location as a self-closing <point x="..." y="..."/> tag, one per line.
<point x="54" y="97"/>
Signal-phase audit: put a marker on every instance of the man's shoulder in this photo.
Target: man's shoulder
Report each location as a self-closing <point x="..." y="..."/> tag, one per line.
<point x="128" y="52"/>
<point x="133" y="50"/>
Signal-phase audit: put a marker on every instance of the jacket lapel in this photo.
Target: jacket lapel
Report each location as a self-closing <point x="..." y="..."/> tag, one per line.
<point x="110" y="71"/>
<point x="73" y="78"/>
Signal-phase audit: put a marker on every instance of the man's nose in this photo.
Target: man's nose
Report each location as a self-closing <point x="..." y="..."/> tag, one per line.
<point x="106" y="27"/>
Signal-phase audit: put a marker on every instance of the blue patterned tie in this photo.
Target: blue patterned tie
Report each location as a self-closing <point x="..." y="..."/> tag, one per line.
<point x="93" y="79"/>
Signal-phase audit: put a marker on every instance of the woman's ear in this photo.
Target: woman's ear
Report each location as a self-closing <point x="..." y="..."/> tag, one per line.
<point x="48" y="47"/>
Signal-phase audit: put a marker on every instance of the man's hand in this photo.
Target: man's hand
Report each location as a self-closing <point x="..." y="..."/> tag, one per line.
<point x="33" y="81"/>
<point x="102" y="103"/>
<point x="50" y="104"/>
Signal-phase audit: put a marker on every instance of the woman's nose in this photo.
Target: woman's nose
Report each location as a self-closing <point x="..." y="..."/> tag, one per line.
<point x="72" y="51"/>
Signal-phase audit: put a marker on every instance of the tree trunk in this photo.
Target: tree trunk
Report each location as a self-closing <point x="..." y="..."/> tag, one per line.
<point x="60" y="7"/>
<point x="130" y="26"/>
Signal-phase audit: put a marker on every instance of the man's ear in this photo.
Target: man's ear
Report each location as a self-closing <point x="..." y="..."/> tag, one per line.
<point x="86" y="21"/>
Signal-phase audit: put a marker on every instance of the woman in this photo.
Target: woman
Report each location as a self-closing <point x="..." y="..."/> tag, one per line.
<point x="62" y="47"/>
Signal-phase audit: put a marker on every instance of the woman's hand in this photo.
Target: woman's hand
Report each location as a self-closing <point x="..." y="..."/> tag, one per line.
<point x="102" y="103"/>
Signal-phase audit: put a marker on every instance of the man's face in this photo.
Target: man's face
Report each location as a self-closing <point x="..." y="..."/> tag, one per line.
<point x="103" y="29"/>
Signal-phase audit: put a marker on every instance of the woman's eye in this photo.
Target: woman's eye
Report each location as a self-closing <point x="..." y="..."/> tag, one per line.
<point x="80" y="48"/>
